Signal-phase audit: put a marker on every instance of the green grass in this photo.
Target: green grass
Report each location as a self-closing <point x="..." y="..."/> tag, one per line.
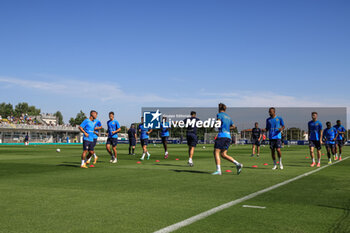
<point x="45" y="191"/>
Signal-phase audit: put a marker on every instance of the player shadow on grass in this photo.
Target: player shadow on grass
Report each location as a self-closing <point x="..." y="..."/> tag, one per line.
<point x="191" y="171"/>
<point x="68" y="165"/>
<point x="170" y="165"/>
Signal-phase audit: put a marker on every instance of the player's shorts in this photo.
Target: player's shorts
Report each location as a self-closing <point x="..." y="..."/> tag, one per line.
<point x="222" y="143"/>
<point x="340" y="143"/>
<point x="316" y="144"/>
<point x="132" y="141"/>
<point x="87" y="145"/>
<point x="256" y="142"/>
<point x="95" y="142"/>
<point x="112" y="141"/>
<point x="144" y="142"/>
<point x="192" y="140"/>
<point x="164" y="139"/>
<point x="275" y="143"/>
<point x="330" y="146"/>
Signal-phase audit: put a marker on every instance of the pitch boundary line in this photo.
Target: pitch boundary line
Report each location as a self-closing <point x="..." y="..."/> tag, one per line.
<point x="214" y="210"/>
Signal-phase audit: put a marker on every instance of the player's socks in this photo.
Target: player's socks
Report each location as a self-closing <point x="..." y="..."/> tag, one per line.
<point x="319" y="160"/>
<point x="129" y="150"/>
<point x="190" y="162"/>
<point x="274" y="165"/>
<point x="148" y="155"/>
<point x="218" y="170"/>
<point x="313" y="160"/>
<point x="239" y="168"/>
<point x="281" y="165"/>
<point x="83" y="164"/>
<point x="143" y="156"/>
<point x="133" y="151"/>
<point x="236" y="163"/>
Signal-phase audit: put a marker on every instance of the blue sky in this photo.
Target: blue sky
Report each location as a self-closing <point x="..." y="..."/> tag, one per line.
<point x="122" y="55"/>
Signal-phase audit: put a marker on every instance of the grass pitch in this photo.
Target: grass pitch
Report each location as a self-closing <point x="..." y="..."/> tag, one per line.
<point x="45" y="191"/>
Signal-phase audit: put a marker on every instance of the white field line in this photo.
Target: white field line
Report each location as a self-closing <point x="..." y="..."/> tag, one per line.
<point x="214" y="210"/>
<point x="254" y="206"/>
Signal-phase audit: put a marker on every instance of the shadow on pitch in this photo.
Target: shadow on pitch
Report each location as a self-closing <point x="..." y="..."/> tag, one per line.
<point x="68" y="165"/>
<point x="170" y="165"/>
<point x="192" y="171"/>
<point x="335" y="207"/>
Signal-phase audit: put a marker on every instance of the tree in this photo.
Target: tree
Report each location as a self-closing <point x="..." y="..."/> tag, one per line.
<point x="72" y="121"/>
<point x="78" y="119"/>
<point x="6" y="109"/>
<point x="123" y="129"/>
<point x="59" y="116"/>
<point x="22" y="108"/>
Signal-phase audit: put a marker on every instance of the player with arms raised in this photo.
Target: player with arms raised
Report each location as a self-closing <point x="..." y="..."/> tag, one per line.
<point x="275" y="125"/>
<point x="223" y="140"/>
<point x="315" y="138"/>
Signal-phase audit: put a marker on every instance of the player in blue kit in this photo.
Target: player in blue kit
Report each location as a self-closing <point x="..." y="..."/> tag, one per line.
<point x="223" y="140"/>
<point x="87" y="128"/>
<point x="144" y="135"/>
<point x="132" y="139"/>
<point x="113" y="129"/>
<point x="191" y="135"/>
<point x="275" y="125"/>
<point x="164" y="134"/>
<point x="330" y="135"/>
<point x="315" y="138"/>
<point x="340" y="139"/>
<point x="97" y="127"/>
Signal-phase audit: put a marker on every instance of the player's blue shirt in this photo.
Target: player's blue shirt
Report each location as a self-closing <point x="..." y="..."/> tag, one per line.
<point x="97" y="123"/>
<point x="112" y="126"/>
<point x="88" y="127"/>
<point x="339" y="129"/>
<point x="226" y="123"/>
<point x="329" y="135"/>
<point x="315" y="128"/>
<point x="273" y="125"/>
<point x="164" y="129"/>
<point x="144" y="131"/>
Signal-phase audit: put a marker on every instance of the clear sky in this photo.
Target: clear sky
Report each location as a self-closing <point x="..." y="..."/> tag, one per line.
<point x="122" y="55"/>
